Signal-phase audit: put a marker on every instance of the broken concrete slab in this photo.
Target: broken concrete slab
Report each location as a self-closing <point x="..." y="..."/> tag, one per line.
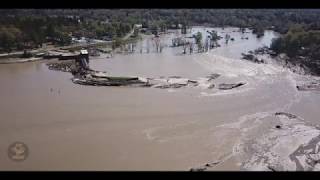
<point x="166" y="86"/>
<point x="99" y="74"/>
<point x="193" y="82"/>
<point x="111" y="81"/>
<point x="225" y="86"/>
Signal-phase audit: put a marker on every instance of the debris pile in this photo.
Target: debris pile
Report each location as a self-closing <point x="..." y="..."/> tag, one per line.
<point x="110" y="81"/>
<point x="171" y="82"/>
<point x="65" y="66"/>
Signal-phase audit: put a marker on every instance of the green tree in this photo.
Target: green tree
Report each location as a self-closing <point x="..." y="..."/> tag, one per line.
<point x="6" y="40"/>
<point x="10" y="38"/>
<point x="198" y="37"/>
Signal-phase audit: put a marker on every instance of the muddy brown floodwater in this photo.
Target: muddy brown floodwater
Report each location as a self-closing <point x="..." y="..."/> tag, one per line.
<point x="72" y="127"/>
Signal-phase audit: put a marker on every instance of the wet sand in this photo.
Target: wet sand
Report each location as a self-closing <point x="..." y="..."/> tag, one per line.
<point x="72" y="127"/>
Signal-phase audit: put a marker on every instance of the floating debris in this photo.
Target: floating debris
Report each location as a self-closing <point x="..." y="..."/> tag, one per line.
<point x="177" y="77"/>
<point x="175" y="82"/>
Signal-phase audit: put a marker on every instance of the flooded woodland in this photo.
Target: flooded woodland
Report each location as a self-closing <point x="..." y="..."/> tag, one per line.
<point x="238" y="115"/>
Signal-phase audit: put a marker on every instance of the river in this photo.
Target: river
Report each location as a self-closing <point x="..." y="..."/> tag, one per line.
<point x="72" y="127"/>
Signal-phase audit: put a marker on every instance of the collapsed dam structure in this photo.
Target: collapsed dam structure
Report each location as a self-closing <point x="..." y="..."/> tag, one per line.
<point x="84" y="75"/>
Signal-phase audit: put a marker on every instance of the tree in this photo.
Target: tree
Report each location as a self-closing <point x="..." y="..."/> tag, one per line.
<point x="63" y="38"/>
<point x="135" y="32"/>
<point x="258" y="30"/>
<point x="6" y="40"/>
<point x="116" y="43"/>
<point x="50" y="30"/>
<point x="198" y="38"/>
<point x="184" y="28"/>
<point x="10" y="38"/>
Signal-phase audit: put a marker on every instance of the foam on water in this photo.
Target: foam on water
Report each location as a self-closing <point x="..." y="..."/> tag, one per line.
<point x="230" y="67"/>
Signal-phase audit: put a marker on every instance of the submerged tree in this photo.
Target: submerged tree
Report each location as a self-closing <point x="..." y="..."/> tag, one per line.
<point x="198" y="39"/>
<point x="227" y="37"/>
<point x="117" y="43"/>
<point x="258" y="30"/>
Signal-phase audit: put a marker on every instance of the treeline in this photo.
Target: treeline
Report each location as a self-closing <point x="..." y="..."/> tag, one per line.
<point x="30" y="28"/>
<point x="281" y="19"/>
<point x="302" y="46"/>
<point x="31" y="31"/>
